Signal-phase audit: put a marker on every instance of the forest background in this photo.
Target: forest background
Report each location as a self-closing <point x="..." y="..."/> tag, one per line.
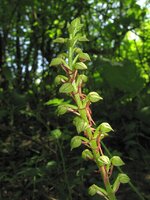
<point x="33" y="165"/>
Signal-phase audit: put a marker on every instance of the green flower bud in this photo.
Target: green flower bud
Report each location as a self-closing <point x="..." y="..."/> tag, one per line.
<point x="61" y="110"/>
<point x="80" y="65"/>
<point x="105" y="127"/>
<point x="78" y="50"/>
<point x="87" y="154"/>
<point x="94" y="97"/>
<point x="92" y="190"/>
<point x="83" y="39"/>
<point x="66" y="88"/>
<point x="103" y="160"/>
<point x="59" y="79"/>
<point x="81" y="124"/>
<point x="84" y="56"/>
<point x="117" y="161"/>
<point x="75" y="142"/>
<point x="123" y="178"/>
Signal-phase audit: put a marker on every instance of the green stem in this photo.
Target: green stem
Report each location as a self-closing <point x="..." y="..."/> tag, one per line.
<point x="93" y="143"/>
<point x="120" y="170"/>
<point x="94" y="148"/>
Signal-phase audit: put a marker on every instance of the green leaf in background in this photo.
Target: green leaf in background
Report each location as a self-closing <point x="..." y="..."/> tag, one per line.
<point x="125" y="76"/>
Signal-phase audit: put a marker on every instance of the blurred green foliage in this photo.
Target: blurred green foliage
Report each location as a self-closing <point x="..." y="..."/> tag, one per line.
<point x="31" y="160"/>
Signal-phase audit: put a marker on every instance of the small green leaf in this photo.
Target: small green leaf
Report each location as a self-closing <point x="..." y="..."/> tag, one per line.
<point x="94" y="97"/>
<point x="75" y="142"/>
<point x="117" y="161"/>
<point x="80" y="65"/>
<point x="59" y="40"/>
<point x="56" y="61"/>
<point x="105" y="127"/>
<point x="59" y="79"/>
<point x="66" y="88"/>
<point x="87" y="154"/>
<point x="123" y="178"/>
<point x="84" y="56"/>
<point x="103" y="160"/>
<point x="56" y="134"/>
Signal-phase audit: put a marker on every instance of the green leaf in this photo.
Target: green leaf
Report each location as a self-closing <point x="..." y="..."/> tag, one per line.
<point x="94" y="97"/>
<point x="59" y="40"/>
<point x="123" y="178"/>
<point x="54" y="102"/>
<point x="66" y="88"/>
<point x="81" y="124"/>
<point x="117" y="161"/>
<point x="84" y="56"/>
<point x="87" y="154"/>
<point x="103" y="160"/>
<point x="80" y="65"/>
<point x="59" y="79"/>
<point x="56" y="61"/>
<point x="56" y="134"/>
<point x="75" y="142"/>
<point x="105" y="127"/>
